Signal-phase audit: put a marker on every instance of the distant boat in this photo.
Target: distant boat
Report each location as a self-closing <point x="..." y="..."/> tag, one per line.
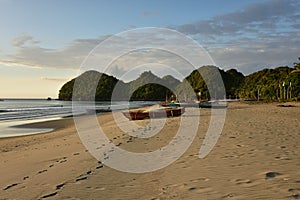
<point x="1" y="99"/>
<point x="213" y="104"/>
<point x="183" y="104"/>
<point x="49" y="99"/>
<point x="155" y="113"/>
<point x="98" y="110"/>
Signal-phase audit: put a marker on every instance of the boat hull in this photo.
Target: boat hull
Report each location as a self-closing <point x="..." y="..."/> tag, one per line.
<point x="158" y="113"/>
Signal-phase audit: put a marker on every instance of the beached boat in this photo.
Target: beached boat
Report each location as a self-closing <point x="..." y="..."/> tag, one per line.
<point x="155" y="113"/>
<point x="136" y="115"/>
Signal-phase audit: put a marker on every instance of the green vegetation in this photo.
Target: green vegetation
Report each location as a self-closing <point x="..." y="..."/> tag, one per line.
<point x="85" y="88"/>
<point x="150" y="87"/>
<point x="146" y="87"/>
<point x="297" y="65"/>
<point x="232" y="80"/>
<point x="265" y="84"/>
<point x="282" y="83"/>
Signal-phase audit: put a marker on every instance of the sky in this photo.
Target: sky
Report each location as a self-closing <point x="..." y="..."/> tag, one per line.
<point x="43" y="43"/>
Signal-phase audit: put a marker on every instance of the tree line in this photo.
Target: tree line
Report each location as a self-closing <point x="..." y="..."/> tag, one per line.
<point x="281" y="83"/>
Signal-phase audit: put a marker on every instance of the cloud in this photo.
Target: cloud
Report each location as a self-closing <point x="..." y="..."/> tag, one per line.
<point x="296" y="26"/>
<point x="22" y="40"/>
<point x="252" y="17"/>
<point x="30" y="54"/>
<point x="258" y="55"/>
<point x="54" y="79"/>
<point x="260" y="35"/>
<point x="134" y="48"/>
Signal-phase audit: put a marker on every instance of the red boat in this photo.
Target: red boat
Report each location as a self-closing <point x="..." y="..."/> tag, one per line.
<point x="136" y="115"/>
<point x="156" y="113"/>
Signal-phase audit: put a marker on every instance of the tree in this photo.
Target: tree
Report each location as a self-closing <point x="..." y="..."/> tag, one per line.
<point x="92" y="85"/>
<point x="297" y="65"/>
<point x="267" y="83"/>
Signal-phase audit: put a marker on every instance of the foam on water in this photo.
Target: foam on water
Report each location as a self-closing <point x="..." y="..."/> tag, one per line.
<point x="15" y="112"/>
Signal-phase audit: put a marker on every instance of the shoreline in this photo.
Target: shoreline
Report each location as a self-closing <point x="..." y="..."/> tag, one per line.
<point x="35" y="126"/>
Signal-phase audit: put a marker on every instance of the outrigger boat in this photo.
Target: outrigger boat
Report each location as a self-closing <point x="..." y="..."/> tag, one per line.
<point x="155" y="113"/>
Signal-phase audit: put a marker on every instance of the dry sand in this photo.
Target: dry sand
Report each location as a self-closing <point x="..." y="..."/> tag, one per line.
<point x="256" y="157"/>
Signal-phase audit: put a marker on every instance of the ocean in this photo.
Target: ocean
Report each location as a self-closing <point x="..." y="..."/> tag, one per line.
<point x="15" y="112"/>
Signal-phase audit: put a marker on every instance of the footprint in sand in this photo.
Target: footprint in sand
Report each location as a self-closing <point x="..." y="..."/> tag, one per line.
<point x="49" y="195"/>
<point x="11" y="186"/>
<point x="42" y="171"/>
<point x="243" y="181"/>
<point x="119" y="144"/>
<point x="199" y="179"/>
<point x="269" y="175"/>
<point x="294" y="195"/>
<point x="62" y="161"/>
<point x="192" y="188"/>
<point x="58" y="187"/>
<point x="84" y="176"/>
<point x="200" y="189"/>
<point x="100" y="165"/>
<point x="81" y="178"/>
<point x="89" y="172"/>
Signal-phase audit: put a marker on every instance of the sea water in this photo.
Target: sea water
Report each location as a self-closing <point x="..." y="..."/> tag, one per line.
<point x="14" y="112"/>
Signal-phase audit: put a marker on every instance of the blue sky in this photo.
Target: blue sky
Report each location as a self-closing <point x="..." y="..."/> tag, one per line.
<point x="43" y="43"/>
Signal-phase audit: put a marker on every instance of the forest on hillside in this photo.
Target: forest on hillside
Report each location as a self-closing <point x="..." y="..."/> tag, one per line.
<point x="281" y="83"/>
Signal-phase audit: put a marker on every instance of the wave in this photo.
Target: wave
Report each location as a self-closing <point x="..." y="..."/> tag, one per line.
<point x="4" y="111"/>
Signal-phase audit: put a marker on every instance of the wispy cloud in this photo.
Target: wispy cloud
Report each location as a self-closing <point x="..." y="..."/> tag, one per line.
<point x="30" y="54"/>
<point x="22" y="40"/>
<point x="54" y="79"/>
<point x="260" y="35"/>
<point x="254" y="17"/>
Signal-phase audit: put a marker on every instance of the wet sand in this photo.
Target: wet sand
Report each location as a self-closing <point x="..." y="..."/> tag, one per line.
<point x="256" y="157"/>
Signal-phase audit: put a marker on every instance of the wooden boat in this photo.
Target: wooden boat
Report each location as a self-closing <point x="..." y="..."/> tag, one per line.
<point x="156" y="113"/>
<point x="167" y="112"/>
<point x="136" y="115"/>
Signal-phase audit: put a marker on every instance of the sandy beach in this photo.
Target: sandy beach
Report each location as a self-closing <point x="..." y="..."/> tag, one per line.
<point x="256" y="157"/>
